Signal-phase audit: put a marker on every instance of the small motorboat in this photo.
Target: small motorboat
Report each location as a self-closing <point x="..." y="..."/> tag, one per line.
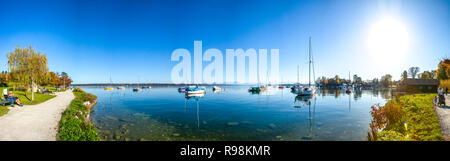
<point x="254" y="89"/>
<point x="195" y="90"/>
<point x="109" y="88"/>
<point x="182" y="89"/>
<point x="216" y="88"/>
<point x="281" y="87"/>
<point x="137" y="89"/>
<point x="146" y="87"/>
<point x="121" y="87"/>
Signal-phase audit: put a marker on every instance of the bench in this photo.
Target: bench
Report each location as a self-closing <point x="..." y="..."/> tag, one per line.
<point x="4" y="102"/>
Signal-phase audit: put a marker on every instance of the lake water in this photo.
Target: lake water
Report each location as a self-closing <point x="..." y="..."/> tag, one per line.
<point x="162" y="113"/>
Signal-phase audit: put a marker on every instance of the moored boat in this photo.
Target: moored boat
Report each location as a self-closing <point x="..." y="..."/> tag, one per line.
<point x="182" y="89"/>
<point x="309" y="90"/>
<point x="195" y="90"/>
<point x="109" y="88"/>
<point x="216" y="88"/>
<point x="266" y="88"/>
<point x="146" y="87"/>
<point x="254" y="89"/>
<point x="297" y="89"/>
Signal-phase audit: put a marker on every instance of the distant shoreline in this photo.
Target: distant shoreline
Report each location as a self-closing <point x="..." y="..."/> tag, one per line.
<point x="166" y="84"/>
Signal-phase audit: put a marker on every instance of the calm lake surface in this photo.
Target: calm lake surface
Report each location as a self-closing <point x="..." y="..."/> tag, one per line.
<point x="162" y="113"/>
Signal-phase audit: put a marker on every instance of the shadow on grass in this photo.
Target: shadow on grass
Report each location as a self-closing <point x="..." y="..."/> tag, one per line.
<point x="29" y="99"/>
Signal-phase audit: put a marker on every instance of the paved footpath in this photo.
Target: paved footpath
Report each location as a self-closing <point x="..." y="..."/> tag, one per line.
<point x="35" y="122"/>
<point x="443" y="113"/>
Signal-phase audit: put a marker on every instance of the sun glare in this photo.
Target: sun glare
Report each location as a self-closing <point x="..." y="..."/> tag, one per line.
<point x="388" y="40"/>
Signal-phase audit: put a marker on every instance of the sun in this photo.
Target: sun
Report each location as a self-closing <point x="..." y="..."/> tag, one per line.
<point x="388" y="40"/>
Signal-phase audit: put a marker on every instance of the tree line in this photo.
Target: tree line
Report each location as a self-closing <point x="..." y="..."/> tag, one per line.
<point x="385" y="81"/>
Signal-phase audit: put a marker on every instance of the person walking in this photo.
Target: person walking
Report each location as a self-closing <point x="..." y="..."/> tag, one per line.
<point x="441" y="96"/>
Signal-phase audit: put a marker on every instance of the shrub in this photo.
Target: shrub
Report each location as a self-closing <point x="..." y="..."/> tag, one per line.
<point x="414" y="111"/>
<point x="391" y="135"/>
<point x="77" y="90"/>
<point x="73" y="125"/>
<point x="445" y="84"/>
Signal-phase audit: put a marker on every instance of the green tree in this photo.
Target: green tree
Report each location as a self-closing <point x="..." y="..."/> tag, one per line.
<point x="413" y="71"/>
<point x="28" y="67"/>
<point x="404" y="75"/>
<point x="386" y="80"/>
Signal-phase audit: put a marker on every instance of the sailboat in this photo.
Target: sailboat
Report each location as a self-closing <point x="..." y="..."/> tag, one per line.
<point x="307" y="91"/>
<point x="137" y="89"/>
<point x="216" y="88"/>
<point x="281" y="86"/>
<point x="268" y="86"/>
<point x="255" y="89"/>
<point x="297" y="89"/>
<point x="348" y="86"/>
<point x="109" y="88"/>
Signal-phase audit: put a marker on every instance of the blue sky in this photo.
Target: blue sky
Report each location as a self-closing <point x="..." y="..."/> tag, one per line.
<point x="132" y="41"/>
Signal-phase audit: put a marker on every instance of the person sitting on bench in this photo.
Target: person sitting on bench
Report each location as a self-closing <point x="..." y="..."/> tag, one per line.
<point x="13" y="99"/>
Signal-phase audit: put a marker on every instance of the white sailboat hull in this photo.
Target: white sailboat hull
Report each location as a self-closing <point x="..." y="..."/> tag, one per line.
<point x="196" y="92"/>
<point x="308" y="92"/>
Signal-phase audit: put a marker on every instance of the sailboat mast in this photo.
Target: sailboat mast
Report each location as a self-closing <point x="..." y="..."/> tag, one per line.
<point x="298" y="76"/>
<point x="349" y="77"/>
<point x="259" y="84"/>
<point x="309" y="78"/>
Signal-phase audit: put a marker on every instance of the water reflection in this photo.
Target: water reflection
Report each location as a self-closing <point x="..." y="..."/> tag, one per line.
<point x="304" y="100"/>
<point x="307" y="101"/>
<point x="234" y="114"/>
<point x="357" y="94"/>
<point x="196" y="98"/>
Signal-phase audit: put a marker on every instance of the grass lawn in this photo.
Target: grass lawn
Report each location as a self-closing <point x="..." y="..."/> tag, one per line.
<point x="3" y="110"/>
<point x="409" y="117"/>
<point x="38" y="98"/>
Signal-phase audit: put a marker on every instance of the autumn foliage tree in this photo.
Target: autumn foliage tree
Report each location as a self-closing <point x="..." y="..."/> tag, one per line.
<point x="443" y="71"/>
<point x="64" y="79"/>
<point x="28" y="67"/>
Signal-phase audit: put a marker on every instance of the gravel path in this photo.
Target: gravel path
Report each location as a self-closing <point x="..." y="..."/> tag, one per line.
<point x="443" y="113"/>
<point x="35" y="122"/>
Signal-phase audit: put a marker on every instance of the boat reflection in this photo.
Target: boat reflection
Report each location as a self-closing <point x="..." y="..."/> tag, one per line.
<point x="307" y="100"/>
<point x="195" y="97"/>
<point x="303" y="100"/>
<point x="262" y="92"/>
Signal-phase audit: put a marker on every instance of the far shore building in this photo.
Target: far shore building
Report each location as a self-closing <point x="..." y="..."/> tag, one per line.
<point x="419" y="85"/>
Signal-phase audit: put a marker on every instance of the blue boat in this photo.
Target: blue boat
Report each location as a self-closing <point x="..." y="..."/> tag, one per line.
<point x="195" y="90"/>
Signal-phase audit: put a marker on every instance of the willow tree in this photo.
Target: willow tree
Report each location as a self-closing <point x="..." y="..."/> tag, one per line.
<point x="28" y="67"/>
